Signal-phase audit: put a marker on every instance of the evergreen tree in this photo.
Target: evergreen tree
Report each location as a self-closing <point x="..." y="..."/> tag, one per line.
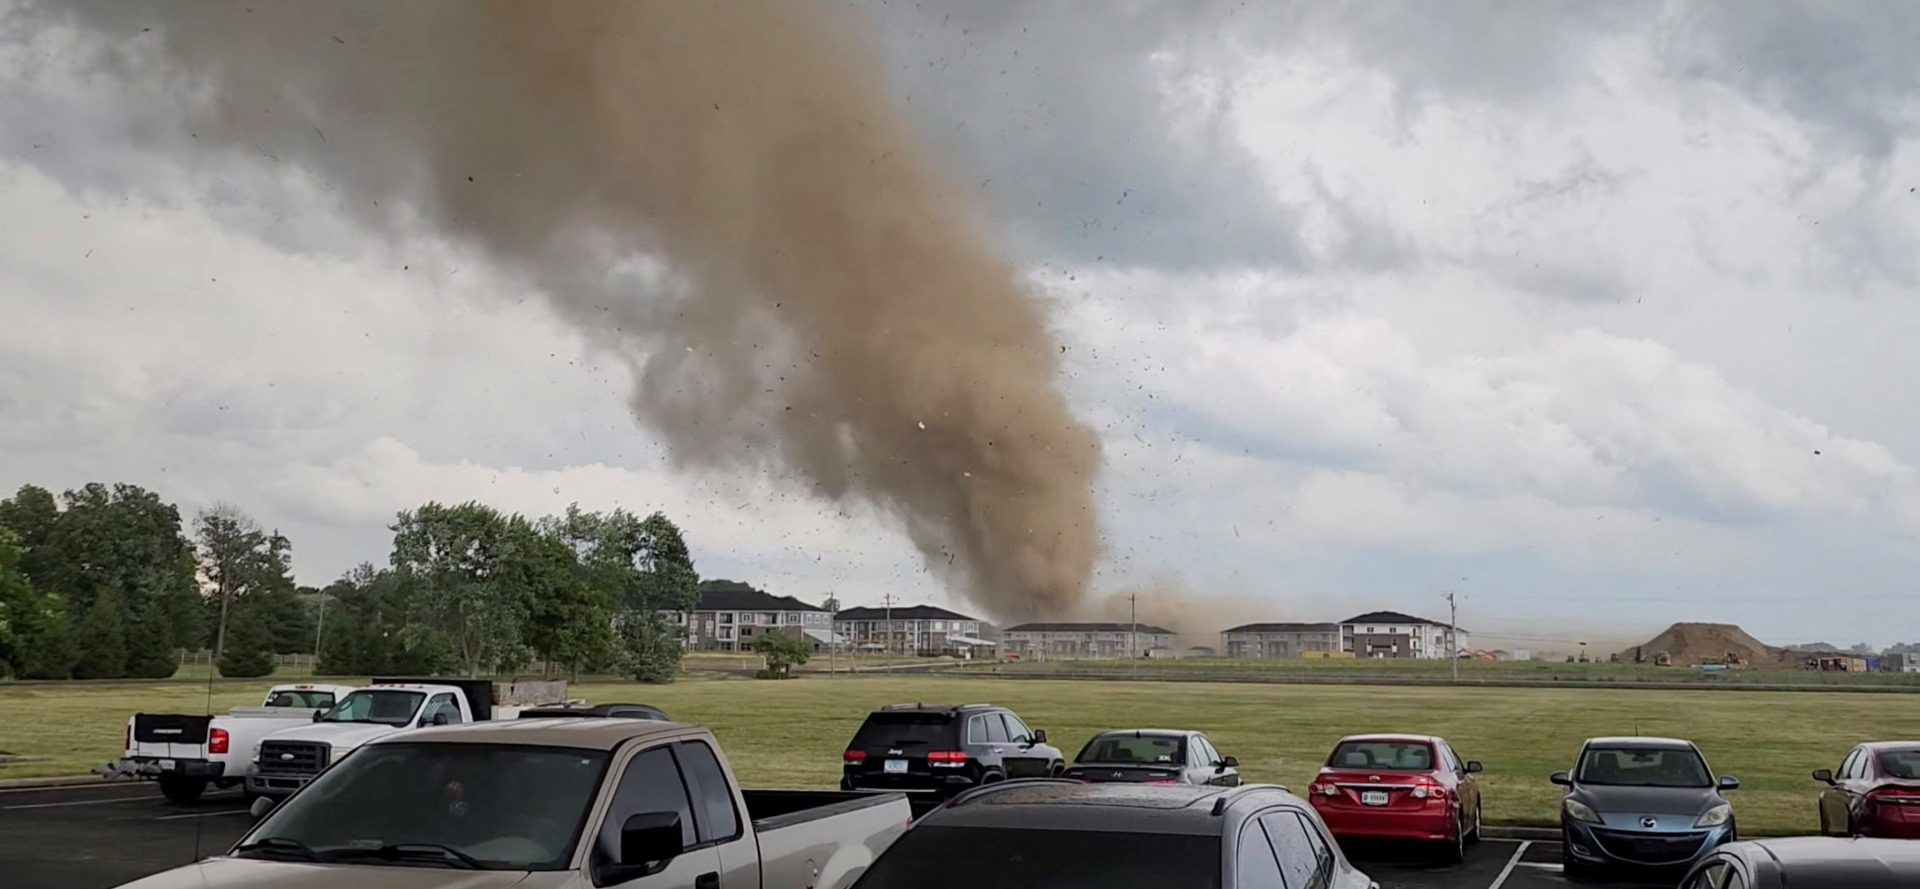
<point x="249" y="651"/>
<point x="101" y="637"/>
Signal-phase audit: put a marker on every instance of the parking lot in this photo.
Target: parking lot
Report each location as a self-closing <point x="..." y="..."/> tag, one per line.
<point x="99" y="837"/>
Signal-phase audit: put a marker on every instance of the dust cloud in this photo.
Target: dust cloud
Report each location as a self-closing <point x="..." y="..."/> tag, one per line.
<point x="722" y="193"/>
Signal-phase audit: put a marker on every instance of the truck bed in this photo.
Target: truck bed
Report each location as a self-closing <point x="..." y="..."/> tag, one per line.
<point x="834" y="832"/>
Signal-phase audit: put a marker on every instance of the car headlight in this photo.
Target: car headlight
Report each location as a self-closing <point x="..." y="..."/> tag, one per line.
<point x="1715" y="816"/>
<point x="1580" y="811"/>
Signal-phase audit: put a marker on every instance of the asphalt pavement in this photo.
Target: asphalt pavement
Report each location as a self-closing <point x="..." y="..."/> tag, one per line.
<point x="98" y="837"/>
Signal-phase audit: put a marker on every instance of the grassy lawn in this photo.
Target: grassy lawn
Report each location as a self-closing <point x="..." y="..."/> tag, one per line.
<point x="1431" y="670"/>
<point x="791" y="733"/>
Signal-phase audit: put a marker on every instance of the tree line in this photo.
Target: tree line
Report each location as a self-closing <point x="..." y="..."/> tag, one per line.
<point x="105" y="582"/>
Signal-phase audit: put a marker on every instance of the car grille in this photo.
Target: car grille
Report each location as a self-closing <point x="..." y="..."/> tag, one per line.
<point x="1650" y="848"/>
<point x="292" y="757"/>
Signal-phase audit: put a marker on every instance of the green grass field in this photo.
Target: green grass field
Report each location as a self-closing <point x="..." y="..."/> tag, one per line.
<point x="791" y="733"/>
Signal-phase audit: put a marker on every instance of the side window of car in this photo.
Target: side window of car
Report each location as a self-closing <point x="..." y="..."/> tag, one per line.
<point x="650" y="783"/>
<point x="977" y="730"/>
<point x="1017" y="730"/>
<point x="1453" y="758"/>
<point x="1253" y="863"/>
<point x="1299" y="862"/>
<point x="1322" y="846"/>
<point x="996" y="729"/>
<point x="1208" y="755"/>
<point x="441" y="706"/>
<point x="715" y="817"/>
<point x="1847" y="766"/>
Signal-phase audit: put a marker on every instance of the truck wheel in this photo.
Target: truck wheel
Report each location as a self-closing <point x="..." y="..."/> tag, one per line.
<point x="181" y="789"/>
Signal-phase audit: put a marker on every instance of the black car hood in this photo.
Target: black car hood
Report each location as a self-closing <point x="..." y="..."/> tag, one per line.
<point x="1611" y="800"/>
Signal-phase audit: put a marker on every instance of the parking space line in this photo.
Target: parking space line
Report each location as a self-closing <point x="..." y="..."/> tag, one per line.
<point x="1511" y="862"/>
<point x="80" y="802"/>
<point x="201" y="815"/>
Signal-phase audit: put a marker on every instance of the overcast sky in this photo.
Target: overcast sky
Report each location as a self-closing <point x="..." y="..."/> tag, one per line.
<point x="1597" y="314"/>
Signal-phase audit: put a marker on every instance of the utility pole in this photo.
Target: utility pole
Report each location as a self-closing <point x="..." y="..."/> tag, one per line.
<point x="1133" y="637"/>
<point x="887" y="601"/>
<point x="1453" y="643"/>
<point x="320" y="627"/>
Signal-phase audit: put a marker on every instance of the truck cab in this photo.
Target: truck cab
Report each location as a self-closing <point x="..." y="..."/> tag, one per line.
<point x="291" y="757"/>
<point x="565" y="803"/>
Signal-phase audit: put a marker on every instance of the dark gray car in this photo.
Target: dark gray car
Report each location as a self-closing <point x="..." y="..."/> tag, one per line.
<point x="1809" y="863"/>
<point x="1154" y="756"/>
<point x="1649" y="802"/>
<point x="1049" y="833"/>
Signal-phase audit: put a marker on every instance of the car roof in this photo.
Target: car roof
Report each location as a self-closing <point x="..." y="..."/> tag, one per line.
<point x="1641" y="742"/>
<point x="1117" y="807"/>
<point x="1794" y="853"/>
<point x="1429" y="739"/>
<point x="1141" y="732"/>
<point x="590" y="734"/>
<point x="1878" y="746"/>
<point x="934" y="708"/>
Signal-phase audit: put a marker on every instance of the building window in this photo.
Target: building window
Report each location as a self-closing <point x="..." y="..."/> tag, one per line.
<point x="726" y="617"/>
<point x="1372" y="629"/>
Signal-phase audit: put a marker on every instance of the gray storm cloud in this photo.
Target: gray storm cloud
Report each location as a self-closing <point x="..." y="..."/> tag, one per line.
<point x="722" y="193"/>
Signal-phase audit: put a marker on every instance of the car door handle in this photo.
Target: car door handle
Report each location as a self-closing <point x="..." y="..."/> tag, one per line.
<point x="709" y="880"/>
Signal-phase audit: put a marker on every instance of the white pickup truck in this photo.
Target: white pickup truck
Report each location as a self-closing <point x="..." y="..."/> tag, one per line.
<point x="290" y="757"/>
<point x="569" y="803"/>
<point x="186" y="753"/>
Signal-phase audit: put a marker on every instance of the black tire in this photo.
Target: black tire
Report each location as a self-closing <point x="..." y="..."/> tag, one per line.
<point x="992" y="778"/>
<point x="1473" y="836"/>
<point x="182" y="790"/>
<point x="1453" y="850"/>
<point x="1570" y="867"/>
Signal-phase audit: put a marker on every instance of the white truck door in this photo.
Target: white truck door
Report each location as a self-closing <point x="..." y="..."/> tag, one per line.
<point x="650" y="782"/>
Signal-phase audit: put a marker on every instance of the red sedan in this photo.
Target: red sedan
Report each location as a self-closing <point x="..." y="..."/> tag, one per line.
<point x="1875" y="794"/>
<point x="1399" y="787"/>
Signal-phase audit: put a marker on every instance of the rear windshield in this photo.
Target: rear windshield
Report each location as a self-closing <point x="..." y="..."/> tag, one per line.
<point x="1160" y="749"/>
<point x="969" y="858"/>
<point x="1407" y="756"/>
<point x="1631" y="767"/>
<point x="1901" y="763"/>
<point x="312" y="700"/>
<point x="905" y="730"/>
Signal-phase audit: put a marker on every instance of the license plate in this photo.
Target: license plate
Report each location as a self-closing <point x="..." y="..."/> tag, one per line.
<point x="166" y="765"/>
<point x="1374" y="797"/>
<point x="896" y="766"/>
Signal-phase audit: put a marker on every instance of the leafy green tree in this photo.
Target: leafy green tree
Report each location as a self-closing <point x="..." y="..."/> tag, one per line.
<point x="450" y="558"/>
<point x="102" y="638"/>
<point x="45" y="640"/>
<point x="783" y="653"/>
<point x="249" y="651"/>
<point x="17" y="603"/>
<point x="31" y="513"/>
<point x="238" y="560"/>
<point x="570" y="621"/>
<point x="645" y="564"/>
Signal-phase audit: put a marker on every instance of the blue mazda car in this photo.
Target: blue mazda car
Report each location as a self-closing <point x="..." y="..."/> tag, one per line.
<point x="1646" y="802"/>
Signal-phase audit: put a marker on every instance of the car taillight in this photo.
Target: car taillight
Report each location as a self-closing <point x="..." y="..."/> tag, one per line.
<point x="946" y="757"/>
<point x="1893" y="796"/>
<point x="217" y="741"/>
<point x="1326" y="789"/>
<point x="854" y="757"/>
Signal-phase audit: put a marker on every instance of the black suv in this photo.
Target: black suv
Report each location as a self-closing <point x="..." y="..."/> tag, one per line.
<point x="938" y="751"/>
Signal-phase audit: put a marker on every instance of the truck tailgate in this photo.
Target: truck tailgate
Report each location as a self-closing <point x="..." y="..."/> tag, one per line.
<point x="822" y="838"/>
<point x="169" y="735"/>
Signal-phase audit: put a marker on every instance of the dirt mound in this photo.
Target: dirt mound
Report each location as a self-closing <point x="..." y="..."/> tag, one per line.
<point x="1688" y="643"/>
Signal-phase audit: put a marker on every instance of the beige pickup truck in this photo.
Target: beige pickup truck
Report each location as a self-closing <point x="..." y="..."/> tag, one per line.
<point x="568" y="803"/>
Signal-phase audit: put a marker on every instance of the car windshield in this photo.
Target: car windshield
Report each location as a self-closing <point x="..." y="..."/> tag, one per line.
<point x="1402" y="756"/>
<point x="303" y="699"/>
<point x="1643" y="767"/>
<point x="385" y="706"/>
<point x="905" y="730"/>
<point x="1901" y="763"/>
<point x="926" y="858"/>
<point x="1135" y="748"/>
<point x="498" y="806"/>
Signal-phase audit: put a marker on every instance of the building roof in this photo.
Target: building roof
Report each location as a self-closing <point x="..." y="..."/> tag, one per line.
<point x="1284" y="628"/>
<point x="910" y="612"/>
<point x="1391" y="617"/>
<point x="726" y="595"/>
<point x="1087" y="628"/>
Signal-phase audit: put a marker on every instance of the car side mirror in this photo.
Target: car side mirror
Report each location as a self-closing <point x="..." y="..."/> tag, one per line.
<point x="261" y="806"/>
<point x="1474" y="767"/>
<point x="1824" y="776"/>
<point x="1039" y="736"/>
<point x="1561" y="778"/>
<point x="439" y="719"/>
<point x="1229" y="763"/>
<point x="316" y="715"/>
<point x="649" y="838"/>
<point x="1729" y="782"/>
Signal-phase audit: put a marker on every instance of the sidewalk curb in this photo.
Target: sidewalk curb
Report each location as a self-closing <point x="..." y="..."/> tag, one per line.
<point x="1520" y="833"/>
<point x="59" y="781"/>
